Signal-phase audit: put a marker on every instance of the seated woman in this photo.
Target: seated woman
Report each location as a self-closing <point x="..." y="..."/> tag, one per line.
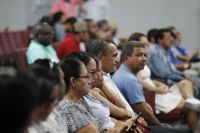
<point x="92" y="101"/>
<point x="74" y="109"/>
<point x="169" y="98"/>
<point x="48" y="89"/>
<point x="18" y="98"/>
<point x="54" y="122"/>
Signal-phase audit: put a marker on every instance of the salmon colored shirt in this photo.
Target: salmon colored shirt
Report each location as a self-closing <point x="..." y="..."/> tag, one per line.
<point x="67" y="8"/>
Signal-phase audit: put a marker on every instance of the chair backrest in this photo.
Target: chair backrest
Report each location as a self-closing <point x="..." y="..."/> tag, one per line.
<point x="150" y="98"/>
<point x="12" y="41"/>
<point x="5" y="43"/>
<point x="25" y="37"/>
<point x="19" y="39"/>
<point x="20" y="57"/>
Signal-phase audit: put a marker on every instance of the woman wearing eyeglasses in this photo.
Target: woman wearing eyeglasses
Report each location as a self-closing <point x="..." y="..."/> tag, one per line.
<point x="48" y="89"/>
<point x="74" y="109"/>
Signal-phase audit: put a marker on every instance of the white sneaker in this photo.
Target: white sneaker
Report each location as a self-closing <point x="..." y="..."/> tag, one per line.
<point x="192" y="103"/>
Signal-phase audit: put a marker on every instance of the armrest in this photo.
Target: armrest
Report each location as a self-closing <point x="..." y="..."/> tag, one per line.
<point x="150" y="98"/>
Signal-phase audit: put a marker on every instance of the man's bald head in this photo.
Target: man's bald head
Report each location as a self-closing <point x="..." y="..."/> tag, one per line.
<point x="43" y="33"/>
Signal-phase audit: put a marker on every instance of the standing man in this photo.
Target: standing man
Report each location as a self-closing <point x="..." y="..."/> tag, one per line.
<point x="40" y="47"/>
<point x="107" y="52"/>
<point x="71" y="41"/>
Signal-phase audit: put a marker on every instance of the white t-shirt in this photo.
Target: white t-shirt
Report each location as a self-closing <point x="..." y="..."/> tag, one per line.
<point x="111" y="85"/>
<point x="55" y="123"/>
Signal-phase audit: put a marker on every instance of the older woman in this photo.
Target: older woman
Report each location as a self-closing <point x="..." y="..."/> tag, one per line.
<point x="74" y="109"/>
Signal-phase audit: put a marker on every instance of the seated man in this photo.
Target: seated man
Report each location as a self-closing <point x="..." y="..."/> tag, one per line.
<point x="181" y="62"/>
<point x="107" y="52"/>
<point x="40" y="47"/>
<point x="71" y="41"/>
<point x="159" y="63"/>
<point x="125" y="78"/>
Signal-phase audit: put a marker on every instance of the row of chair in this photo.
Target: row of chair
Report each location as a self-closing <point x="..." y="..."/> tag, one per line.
<point x="10" y="41"/>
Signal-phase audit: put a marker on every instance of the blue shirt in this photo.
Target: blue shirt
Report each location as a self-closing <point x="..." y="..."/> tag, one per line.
<point x="38" y="51"/>
<point x="129" y="85"/>
<point x="59" y="32"/>
<point x="159" y="63"/>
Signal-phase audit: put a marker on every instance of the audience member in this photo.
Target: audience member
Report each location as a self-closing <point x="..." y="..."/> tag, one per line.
<point x="176" y="95"/>
<point x="48" y="89"/>
<point x="46" y="19"/>
<point x="40" y="47"/>
<point x="114" y="28"/>
<point x="54" y="122"/>
<point x="192" y="69"/>
<point x="18" y="98"/>
<point x="68" y="25"/>
<point x="58" y="20"/>
<point x="99" y="105"/>
<point x="75" y="111"/>
<point x="159" y="55"/>
<point x="151" y="37"/>
<point x="106" y="50"/>
<point x="160" y="88"/>
<point x="65" y="6"/>
<point x="104" y="27"/>
<point x="94" y="33"/>
<point x="95" y="10"/>
<point x="71" y="41"/>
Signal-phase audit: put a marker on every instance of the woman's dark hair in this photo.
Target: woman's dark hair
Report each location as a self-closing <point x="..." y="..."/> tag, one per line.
<point x="82" y="56"/>
<point x="18" y="98"/>
<point x="50" y="65"/>
<point x="96" y="59"/>
<point x="71" y="68"/>
<point x="136" y="36"/>
<point x="46" y="81"/>
<point x="57" y="16"/>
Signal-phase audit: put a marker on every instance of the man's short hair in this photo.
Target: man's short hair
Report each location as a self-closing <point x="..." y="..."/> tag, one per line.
<point x="136" y="36"/>
<point x="38" y="28"/>
<point x="128" y="48"/>
<point x="101" y="46"/>
<point x="160" y="34"/>
<point x="151" y="33"/>
<point x="101" y="23"/>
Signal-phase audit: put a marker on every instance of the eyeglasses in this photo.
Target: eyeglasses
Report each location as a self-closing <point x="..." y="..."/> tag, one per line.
<point x="85" y="77"/>
<point x="92" y="72"/>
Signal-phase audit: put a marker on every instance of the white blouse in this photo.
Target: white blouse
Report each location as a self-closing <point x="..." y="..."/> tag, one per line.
<point x="100" y="110"/>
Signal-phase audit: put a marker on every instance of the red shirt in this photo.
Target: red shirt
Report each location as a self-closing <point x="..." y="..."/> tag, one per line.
<point x="68" y="45"/>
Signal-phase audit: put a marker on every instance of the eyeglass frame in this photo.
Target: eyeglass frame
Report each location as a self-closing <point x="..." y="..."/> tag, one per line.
<point x="92" y="72"/>
<point x="85" y="77"/>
